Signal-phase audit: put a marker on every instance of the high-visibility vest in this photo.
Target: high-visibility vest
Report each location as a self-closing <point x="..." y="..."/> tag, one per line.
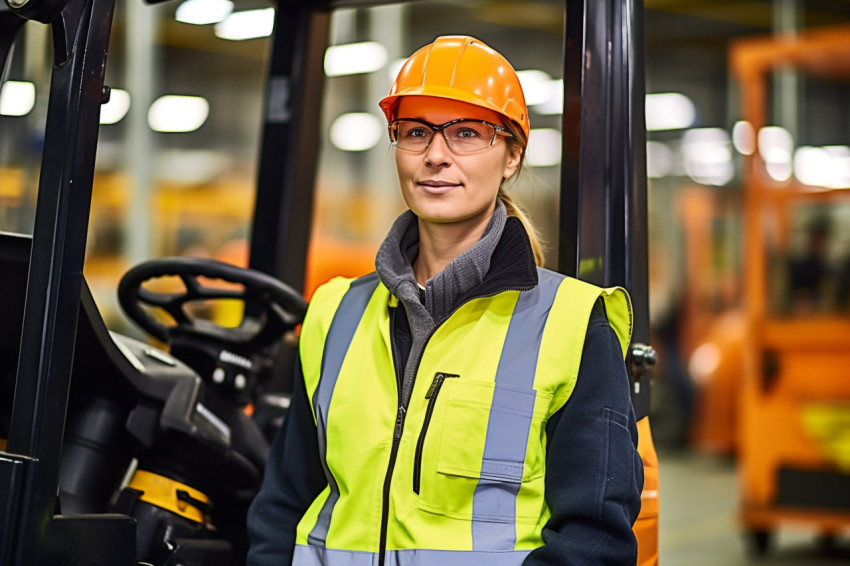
<point x="457" y="478"/>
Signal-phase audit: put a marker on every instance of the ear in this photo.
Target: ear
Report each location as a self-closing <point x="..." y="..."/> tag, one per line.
<point x="512" y="161"/>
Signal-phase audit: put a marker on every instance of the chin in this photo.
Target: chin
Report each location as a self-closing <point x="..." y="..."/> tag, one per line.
<point x="435" y="216"/>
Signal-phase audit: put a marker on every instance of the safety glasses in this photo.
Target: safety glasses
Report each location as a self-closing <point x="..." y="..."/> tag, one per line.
<point x="464" y="135"/>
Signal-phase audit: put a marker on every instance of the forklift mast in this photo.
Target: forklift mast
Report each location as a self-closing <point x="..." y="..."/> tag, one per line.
<point x="603" y="232"/>
<point x="30" y="532"/>
<point x="602" y="236"/>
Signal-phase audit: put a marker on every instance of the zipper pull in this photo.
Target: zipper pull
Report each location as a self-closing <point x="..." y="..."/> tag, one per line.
<point x="439" y="377"/>
<point x="399" y="422"/>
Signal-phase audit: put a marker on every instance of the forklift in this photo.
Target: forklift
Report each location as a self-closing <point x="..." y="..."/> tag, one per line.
<point x="116" y="452"/>
<point x="793" y="395"/>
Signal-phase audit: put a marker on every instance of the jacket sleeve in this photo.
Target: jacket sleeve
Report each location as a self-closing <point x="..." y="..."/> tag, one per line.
<point x="594" y="474"/>
<point x="293" y="479"/>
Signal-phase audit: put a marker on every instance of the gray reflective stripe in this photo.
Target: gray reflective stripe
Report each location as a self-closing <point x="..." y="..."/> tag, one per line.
<point x="321" y="556"/>
<point x="341" y="331"/>
<point x="319" y="533"/>
<point x="494" y="501"/>
<point x="420" y="557"/>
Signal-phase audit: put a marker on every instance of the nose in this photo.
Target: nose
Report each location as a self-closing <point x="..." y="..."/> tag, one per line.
<point x="438" y="153"/>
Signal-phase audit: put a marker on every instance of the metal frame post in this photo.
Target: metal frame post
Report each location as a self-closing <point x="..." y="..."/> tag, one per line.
<point x="283" y="210"/>
<point x="10" y="24"/>
<point x="603" y="231"/>
<point x="30" y="466"/>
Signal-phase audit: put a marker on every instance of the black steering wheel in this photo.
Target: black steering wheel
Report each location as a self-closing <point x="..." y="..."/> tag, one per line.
<point x="278" y="306"/>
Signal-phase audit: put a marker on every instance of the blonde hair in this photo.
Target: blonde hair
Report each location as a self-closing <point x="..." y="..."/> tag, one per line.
<point x="518" y="141"/>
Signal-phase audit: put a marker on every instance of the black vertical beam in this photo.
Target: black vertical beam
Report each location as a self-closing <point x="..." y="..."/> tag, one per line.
<point x="283" y="211"/>
<point x="603" y="237"/>
<point x="10" y="24"/>
<point x="571" y="132"/>
<point x="637" y="274"/>
<point x="81" y="31"/>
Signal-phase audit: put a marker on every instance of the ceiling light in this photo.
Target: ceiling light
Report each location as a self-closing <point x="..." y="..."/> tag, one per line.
<point x="659" y="160"/>
<point x="775" y="146"/>
<point x="772" y="138"/>
<point x="356" y="131"/>
<point x="535" y="86"/>
<point x="669" y="111"/>
<point x="544" y="147"/>
<point x="708" y="156"/>
<point x="554" y="103"/>
<point x="743" y="138"/>
<point x="203" y="12"/>
<point x="780" y="170"/>
<point x="704" y="362"/>
<point x="116" y="108"/>
<point x="173" y="113"/>
<point x="812" y="166"/>
<point x="840" y="155"/>
<point x="17" y="98"/>
<point x="823" y="166"/>
<point x="355" y="58"/>
<point x="247" y="24"/>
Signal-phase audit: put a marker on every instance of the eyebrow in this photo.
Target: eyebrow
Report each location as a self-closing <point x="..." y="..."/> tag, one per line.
<point x="422" y="119"/>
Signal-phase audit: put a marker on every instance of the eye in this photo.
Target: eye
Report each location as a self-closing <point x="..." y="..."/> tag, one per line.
<point x="467" y="133"/>
<point x="414" y="132"/>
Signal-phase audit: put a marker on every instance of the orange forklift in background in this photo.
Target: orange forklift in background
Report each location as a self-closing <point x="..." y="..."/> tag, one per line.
<point x="794" y="420"/>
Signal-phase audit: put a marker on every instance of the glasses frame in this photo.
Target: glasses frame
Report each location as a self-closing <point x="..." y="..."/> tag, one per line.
<point x="441" y="128"/>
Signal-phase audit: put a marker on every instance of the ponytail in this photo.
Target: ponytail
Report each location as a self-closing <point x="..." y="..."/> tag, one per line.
<point x="519" y="141"/>
<point x="513" y="209"/>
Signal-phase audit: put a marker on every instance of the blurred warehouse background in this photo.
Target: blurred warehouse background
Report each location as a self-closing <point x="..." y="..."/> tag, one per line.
<point x="749" y="222"/>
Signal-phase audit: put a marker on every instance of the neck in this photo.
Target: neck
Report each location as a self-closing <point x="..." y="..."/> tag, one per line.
<point x="439" y="244"/>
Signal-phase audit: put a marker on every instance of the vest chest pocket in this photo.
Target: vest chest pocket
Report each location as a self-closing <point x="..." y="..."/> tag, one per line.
<point x="489" y="444"/>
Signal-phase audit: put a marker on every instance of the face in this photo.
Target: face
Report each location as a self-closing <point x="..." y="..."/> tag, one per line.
<point x="443" y="187"/>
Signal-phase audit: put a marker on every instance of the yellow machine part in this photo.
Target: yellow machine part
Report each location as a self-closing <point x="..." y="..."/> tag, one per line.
<point x="829" y="425"/>
<point x="162" y="491"/>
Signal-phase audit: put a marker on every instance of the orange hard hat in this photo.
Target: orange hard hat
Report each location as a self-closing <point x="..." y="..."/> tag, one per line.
<point x="461" y="68"/>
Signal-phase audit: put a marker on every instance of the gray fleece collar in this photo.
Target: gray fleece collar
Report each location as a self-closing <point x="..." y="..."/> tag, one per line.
<point x="394" y="263"/>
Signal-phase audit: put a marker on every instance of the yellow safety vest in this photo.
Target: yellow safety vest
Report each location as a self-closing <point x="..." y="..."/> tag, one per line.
<point x="457" y="478"/>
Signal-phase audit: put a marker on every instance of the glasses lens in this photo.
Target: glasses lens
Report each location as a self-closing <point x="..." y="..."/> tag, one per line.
<point x="465" y="137"/>
<point x="412" y="136"/>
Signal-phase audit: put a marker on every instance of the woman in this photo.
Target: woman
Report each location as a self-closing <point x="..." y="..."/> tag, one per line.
<point x="461" y="405"/>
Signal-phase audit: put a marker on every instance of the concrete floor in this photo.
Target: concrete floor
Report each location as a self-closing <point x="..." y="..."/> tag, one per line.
<point x="698" y="527"/>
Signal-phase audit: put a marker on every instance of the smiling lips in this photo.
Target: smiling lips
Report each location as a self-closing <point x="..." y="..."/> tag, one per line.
<point x="437" y="186"/>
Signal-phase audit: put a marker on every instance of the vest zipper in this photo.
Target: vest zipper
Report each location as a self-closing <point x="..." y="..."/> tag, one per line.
<point x="385" y="511"/>
<point x="433" y="391"/>
<point x="399" y="426"/>
<point x="399" y="421"/>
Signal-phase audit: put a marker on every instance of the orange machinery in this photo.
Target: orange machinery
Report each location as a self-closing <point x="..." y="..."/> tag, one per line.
<point x="710" y="333"/>
<point x="794" y="432"/>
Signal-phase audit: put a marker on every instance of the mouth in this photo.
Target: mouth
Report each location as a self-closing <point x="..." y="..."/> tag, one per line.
<point x="437" y="187"/>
